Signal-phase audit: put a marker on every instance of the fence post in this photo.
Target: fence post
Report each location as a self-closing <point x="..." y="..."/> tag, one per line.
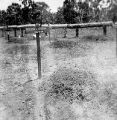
<point x="77" y="32"/>
<point x="15" y="32"/>
<point x="104" y="30"/>
<point x="21" y="32"/>
<point x="25" y="31"/>
<point x="8" y="36"/>
<point x="49" y="31"/>
<point x="65" y="32"/>
<point x="2" y="32"/>
<point x="38" y="54"/>
<point x="116" y="41"/>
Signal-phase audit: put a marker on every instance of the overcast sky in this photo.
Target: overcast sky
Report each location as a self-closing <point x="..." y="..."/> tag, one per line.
<point x="54" y="4"/>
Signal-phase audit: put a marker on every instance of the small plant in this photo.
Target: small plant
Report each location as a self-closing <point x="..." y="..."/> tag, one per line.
<point x="63" y="44"/>
<point x="69" y="84"/>
<point x="65" y="87"/>
<point x="108" y="96"/>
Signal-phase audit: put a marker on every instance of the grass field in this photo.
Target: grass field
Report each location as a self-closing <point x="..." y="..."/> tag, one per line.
<point x="91" y="51"/>
<point x="78" y="75"/>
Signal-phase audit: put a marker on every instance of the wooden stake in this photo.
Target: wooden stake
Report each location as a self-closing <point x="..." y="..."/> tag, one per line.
<point x="49" y="31"/>
<point x="15" y="33"/>
<point x="22" y="33"/>
<point x="49" y="35"/>
<point x="65" y="32"/>
<point x="8" y="36"/>
<point x="116" y="41"/>
<point x="77" y="32"/>
<point x="104" y="30"/>
<point x="38" y="54"/>
<point x="25" y="31"/>
<point x="2" y="33"/>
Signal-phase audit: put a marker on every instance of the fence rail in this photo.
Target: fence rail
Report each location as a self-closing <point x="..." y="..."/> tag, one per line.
<point x="104" y="25"/>
<point x="82" y="25"/>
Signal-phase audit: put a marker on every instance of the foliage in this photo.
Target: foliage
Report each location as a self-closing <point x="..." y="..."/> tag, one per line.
<point x="74" y="12"/>
<point x="68" y="11"/>
<point x="27" y="3"/>
<point x="112" y="13"/>
<point x="71" y="84"/>
<point x="94" y="11"/>
<point x="83" y="12"/>
<point x="59" y="18"/>
<point x="35" y="11"/>
<point x="13" y="14"/>
<point x="39" y="13"/>
<point x="71" y="12"/>
<point x="31" y="12"/>
<point x="2" y="17"/>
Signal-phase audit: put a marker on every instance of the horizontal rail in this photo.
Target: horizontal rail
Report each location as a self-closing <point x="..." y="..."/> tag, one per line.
<point x="94" y="24"/>
<point x="55" y="26"/>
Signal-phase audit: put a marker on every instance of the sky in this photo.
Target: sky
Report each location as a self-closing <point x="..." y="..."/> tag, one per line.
<point x="53" y="4"/>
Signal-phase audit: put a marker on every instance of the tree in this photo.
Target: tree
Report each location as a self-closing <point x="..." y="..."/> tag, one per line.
<point x="69" y="12"/>
<point x="83" y="11"/>
<point x="95" y="11"/>
<point x="40" y="13"/>
<point x="112" y="13"/>
<point x="27" y="3"/>
<point x="100" y="8"/>
<point x="13" y="14"/>
<point x="3" y="17"/>
<point x="26" y="15"/>
<point x="75" y="12"/>
<point x="59" y="18"/>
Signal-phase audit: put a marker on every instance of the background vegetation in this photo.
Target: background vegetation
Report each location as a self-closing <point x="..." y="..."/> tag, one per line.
<point x="71" y="12"/>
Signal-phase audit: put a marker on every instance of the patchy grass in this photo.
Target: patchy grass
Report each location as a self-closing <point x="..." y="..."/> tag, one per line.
<point x="81" y="93"/>
<point x="63" y="44"/>
<point x="67" y="86"/>
<point x="81" y="86"/>
<point x="82" y="83"/>
<point x="67" y="81"/>
<point x="93" y="38"/>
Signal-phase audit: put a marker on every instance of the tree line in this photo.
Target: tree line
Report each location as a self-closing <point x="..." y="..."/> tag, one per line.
<point x="28" y="12"/>
<point x="72" y="11"/>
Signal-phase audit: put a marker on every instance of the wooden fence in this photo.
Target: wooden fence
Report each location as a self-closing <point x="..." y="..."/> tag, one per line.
<point x="14" y="28"/>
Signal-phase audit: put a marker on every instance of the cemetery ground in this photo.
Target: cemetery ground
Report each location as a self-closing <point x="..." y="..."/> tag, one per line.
<point x="25" y="97"/>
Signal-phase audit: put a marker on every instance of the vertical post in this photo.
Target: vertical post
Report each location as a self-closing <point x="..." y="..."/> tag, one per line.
<point x="116" y="41"/>
<point x="49" y="31"/>
<point x="15" y="33"/>
<point x="49" y="34"/>
<point x="65" y="32"/>
<point x="21" y="32"/>
<point x="38" y="54"/>
<point x="104" y="30"/>
<point x="8" y="36"/>
<point x="77" y="32"/>
<point x="2" y="33"/>
<point x="25" y="31"/>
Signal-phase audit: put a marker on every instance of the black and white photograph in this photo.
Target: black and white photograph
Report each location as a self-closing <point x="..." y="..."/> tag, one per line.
<point x="58" y="59"/>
